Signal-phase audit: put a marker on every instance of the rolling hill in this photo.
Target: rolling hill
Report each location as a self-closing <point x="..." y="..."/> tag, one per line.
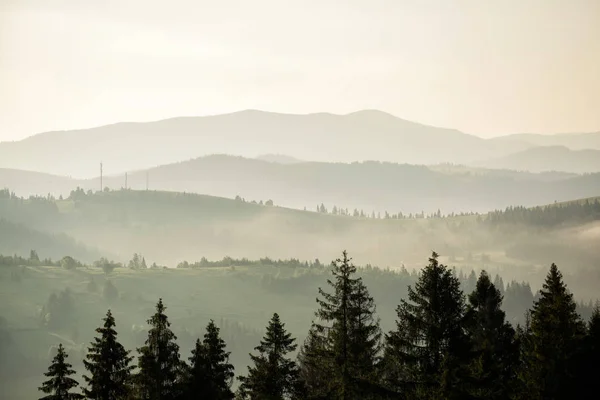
<point x="548" y="158"/>
<point x="371" y="186"/>
<point x="573" y="141"/>
<point x="31" y="183"/>
<point x="19" y="239"/>
<point x="169" y="227"/>
<point x="240" y="295"/>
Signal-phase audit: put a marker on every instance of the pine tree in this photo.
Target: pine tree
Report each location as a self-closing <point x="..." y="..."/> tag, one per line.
<point x="273" y="376"/>
<point x="553" y="342"/>
<point x="427" y="353"/>
<point x="160" y="369"/>
<point x="59" y="386"/>
<point x="348" y="328"/>
<point x="109" y="365"/>
<point x="496" y="354"/>
<point x="210" y="374"/>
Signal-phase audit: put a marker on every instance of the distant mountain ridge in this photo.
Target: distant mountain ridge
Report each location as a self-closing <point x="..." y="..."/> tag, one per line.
<point x="324" y="137"/>
<point x="362" y="135"/>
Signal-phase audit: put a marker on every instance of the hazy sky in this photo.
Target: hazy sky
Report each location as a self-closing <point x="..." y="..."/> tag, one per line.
<point x="487" y="67"/>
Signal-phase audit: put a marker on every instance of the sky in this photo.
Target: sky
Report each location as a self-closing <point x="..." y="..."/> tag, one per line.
<point x="487" y="68"/>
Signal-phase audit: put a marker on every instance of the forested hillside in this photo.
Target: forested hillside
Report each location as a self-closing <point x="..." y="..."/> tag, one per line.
<point x="172" y="227"/>
<point x="173" y="245"/>
<point x="241" y="296"/>
<point x="18" y="239"/>
<point x="373" y="186"/>
<point x="369" y="185"/>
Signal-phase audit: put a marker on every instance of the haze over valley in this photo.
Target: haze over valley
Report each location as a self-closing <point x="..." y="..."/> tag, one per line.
<point x="332" y="200"/>
<point x="212" y="211"/>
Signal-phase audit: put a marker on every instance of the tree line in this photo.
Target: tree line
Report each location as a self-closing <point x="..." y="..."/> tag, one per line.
<point x="445" y="345"/>
<point x="36" y="207"/>
<point x="360" y="213"/>
<point x="542" y="216"/>
<point x="386" y="284"/>
<point x="548" y="216"/>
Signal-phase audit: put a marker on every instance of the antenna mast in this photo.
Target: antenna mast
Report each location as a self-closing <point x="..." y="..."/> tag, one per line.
<point x="101" y="188"/>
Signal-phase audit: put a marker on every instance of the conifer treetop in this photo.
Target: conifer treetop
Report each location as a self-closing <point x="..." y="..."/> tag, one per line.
<point x="108" y="363"/>
<point x="59" y="386"/>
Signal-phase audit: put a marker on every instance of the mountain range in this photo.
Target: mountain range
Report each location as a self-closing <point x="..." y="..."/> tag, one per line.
<point x="358" y="136"/>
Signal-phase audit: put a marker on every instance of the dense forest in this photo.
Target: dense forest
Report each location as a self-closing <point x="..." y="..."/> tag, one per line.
<point x="446" y="343"/>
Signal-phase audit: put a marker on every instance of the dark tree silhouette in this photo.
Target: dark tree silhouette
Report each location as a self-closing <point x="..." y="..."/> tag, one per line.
<point x="493" y="339"/>
<point x="60" y="384"/>
<point x="160" y="369"/>
<point x="428" y="353"/>
<point x="273" y="376"/>
<point x="108" y="364"/>
<point x="210" y="374"/>
<point x="552" y="343"/>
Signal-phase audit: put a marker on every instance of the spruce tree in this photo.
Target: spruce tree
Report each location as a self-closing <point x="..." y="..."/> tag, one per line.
<point x="365" y="342"/>
<point x="160" y="369"/>
<point x="273" y="376"/>
<point x="427" y="354"/>
<point x="59" y="386"/>
<point x="553" y="343"/>
<point x="315" y="366"/>
<point x="493" y="340"/>
<point x="210" y="374"/>
<point x="349" y="329"/>
<point x="109" y="365"/>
